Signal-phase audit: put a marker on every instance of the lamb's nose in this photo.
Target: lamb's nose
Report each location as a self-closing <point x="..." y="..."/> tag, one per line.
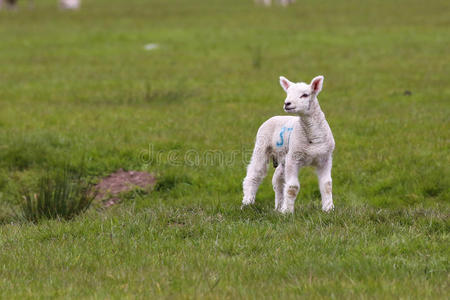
<point x="286" y="104"/>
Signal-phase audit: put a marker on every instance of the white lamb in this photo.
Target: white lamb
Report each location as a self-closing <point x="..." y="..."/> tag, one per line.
<point x="293" y="142"/>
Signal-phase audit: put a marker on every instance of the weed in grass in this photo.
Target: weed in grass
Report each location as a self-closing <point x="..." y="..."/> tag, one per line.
<point x="152" y="94"/>
<point x="169" y="181"/>
<point x="23" y="154"/>
<point x="257" y="57"/>
<point x="61" y="196"/>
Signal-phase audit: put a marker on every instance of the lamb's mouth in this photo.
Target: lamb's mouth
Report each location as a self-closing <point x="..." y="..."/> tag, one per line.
<point x="289" y="109"/>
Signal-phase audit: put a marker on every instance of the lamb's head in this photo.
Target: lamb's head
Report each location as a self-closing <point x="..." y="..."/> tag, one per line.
<point x="300" y="95"/>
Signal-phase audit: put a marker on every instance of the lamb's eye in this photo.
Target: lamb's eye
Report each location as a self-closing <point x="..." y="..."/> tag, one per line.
<point x="304" y="95"/>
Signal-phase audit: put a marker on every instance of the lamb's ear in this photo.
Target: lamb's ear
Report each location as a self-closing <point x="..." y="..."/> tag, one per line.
<point x="285" y="84"/>
<point x="316" y="84"/>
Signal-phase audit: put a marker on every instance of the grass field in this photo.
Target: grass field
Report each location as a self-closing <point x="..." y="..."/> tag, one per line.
<point x="80" y="87"/>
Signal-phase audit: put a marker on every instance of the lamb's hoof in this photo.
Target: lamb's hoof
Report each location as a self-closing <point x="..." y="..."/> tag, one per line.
<point x="247" y="202"/>
<point x="286" y="211"/>
<point x="328" y="208"/>
<point x="244" y="205"/>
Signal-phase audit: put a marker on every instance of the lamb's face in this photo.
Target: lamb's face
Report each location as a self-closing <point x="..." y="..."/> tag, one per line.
<point x="300" y="95"/>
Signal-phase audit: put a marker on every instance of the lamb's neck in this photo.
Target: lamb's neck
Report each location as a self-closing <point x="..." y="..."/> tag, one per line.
<point x="314" y="124"/>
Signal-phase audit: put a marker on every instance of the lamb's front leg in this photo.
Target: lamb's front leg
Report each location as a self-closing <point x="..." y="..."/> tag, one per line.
<point x="278" y="186"/>
<point x="291" y="187"/>
<point x="325" y="185"/>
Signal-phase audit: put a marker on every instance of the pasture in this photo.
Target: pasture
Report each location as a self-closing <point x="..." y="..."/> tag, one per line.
<point x="83" y="88"/>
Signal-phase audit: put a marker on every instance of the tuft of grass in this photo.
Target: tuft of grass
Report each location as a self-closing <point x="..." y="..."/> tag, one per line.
<point x="23" y="154"/>
<point x="60" y="196"/>
<point x="169" y="181"/>
<point x="257" y="57"/>
<point x="165" y="95"/>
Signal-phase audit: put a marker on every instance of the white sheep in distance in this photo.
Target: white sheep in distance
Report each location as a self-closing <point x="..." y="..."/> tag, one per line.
<point x="293" y="142"/>
<point x="70" y="4"/>
<point x="11" y="4"/>
<point x="269" y="2"/>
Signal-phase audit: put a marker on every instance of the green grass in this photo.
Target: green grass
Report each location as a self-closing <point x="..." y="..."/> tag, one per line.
<point x="79" y="87"/>
<point x="63" y="195"/>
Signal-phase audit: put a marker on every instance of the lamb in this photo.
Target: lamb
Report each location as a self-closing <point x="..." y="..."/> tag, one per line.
<point x="293" y="142"/>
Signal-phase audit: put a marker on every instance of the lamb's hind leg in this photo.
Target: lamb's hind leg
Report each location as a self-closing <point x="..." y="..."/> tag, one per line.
<point x="325" y="185"/>
<point x="278" y="186"/>
<point x="256" y="171"/>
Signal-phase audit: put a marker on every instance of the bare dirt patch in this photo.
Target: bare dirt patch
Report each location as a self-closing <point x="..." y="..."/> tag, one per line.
<point x="111" y="187"/>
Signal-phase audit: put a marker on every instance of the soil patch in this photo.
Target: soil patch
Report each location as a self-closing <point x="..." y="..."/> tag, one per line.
<point x="109" y="188"/>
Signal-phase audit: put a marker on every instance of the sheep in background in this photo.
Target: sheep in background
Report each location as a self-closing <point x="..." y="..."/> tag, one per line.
<point x="293" y="142"/>
<point x="264" y="2"/>
<point x="10" y="3"/>
<point x="286" y="2"/>
<point x="70" y="4"/>
<point x="269" y="2"/>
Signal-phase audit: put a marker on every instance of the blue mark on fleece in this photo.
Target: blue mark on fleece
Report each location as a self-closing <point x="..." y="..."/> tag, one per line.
<point x="283" y="130"/>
